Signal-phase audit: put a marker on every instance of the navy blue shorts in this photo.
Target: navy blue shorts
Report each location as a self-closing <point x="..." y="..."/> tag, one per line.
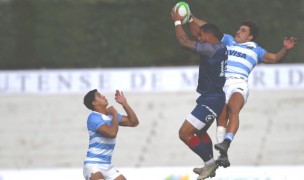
<point x="207" y="109"/>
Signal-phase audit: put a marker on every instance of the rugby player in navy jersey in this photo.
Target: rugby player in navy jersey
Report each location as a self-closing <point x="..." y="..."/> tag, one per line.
<point x="102" y="125"/>
<point x="213" y="55"/>
<point x="243" y="55"/>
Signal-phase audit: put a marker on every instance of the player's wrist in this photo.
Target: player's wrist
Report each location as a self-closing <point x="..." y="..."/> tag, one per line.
<point x="190" y="19"/>
<point x="176" y="23"/>
<point x="285" y="48"/>
<point x="124" y="103"/>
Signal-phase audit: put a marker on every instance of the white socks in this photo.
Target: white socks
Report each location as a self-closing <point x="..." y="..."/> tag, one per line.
<point x="211" y="161"/>
<point x="220" y="133"/>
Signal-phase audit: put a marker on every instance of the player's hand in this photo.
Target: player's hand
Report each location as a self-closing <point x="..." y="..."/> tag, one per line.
<point x="289" y="43"/>
<point x="120" y="98"/>
<point x="175" y="16"/>
<point x="111" y="111"/>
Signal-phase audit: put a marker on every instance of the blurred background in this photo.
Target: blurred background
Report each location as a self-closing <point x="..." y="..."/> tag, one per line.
<point x="127" y="33"/>
<point x="53" y="51"/>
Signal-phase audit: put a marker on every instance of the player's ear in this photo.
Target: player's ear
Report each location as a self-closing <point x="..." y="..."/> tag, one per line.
<point x="94" y="102"/>
<point x="208" y="36"/>
<point x="250" y="37"/>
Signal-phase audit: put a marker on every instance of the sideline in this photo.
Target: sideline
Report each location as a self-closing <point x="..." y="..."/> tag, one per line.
<point x="165" y="173"/>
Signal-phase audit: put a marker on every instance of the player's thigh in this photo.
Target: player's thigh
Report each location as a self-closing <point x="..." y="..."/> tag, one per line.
<point x="96" y="176"/>
<point x="236" y="102"/>
<point x="203" y="131"/>
<point x="120" y="177"/>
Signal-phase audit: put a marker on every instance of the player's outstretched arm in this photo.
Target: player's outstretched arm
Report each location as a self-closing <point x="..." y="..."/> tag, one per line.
<point x="288" y="43"/>
<point x="195" y="25"/>
<point x="181" y="35"/>
<point x="194" y="28"/>
<point x="198" y="21"/>
<point x="131" y="118"/>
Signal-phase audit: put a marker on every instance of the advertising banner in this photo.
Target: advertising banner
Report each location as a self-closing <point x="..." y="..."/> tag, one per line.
<point x="156" y="79"/>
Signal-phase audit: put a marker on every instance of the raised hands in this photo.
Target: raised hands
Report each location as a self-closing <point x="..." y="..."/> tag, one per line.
<point x="120" y="98"/>
<point x="175" y="15"/>
<point x="111" y="110"/>
<point x="289" y="43"/>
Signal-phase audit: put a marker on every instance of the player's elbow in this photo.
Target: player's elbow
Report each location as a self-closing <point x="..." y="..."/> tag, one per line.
<point x="272" y="61"/>
<point x="112" y="135"/>
<point x="134" y="123"/>
<point x="182" y="43"/>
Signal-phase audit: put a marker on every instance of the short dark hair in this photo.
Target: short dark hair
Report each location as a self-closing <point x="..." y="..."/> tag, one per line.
<point x="213" y="29"/>
<point x="253" y="27"/>
<point x="89" y="98"/>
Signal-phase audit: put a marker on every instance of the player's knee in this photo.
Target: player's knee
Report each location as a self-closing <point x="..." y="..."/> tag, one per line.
<point x="205" y="138"/>
<point x="183" y="135"/>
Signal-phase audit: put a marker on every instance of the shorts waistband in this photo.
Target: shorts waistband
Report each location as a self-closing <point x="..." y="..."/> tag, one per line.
<point x="234" y="77"/>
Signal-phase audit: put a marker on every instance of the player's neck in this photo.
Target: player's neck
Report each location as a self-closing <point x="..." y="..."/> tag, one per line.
<point x="102" y="110"/>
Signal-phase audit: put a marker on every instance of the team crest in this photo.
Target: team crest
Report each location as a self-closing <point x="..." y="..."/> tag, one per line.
<point x="210" y="118"/>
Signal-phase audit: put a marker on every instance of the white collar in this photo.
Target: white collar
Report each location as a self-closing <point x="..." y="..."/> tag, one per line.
<point x="99" y="113"/>
<point x="248" y="44"/>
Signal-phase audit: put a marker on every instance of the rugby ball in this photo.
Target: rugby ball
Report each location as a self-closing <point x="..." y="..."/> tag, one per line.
<point x="183" y="9"/>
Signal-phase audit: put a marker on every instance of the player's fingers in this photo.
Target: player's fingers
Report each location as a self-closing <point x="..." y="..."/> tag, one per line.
<point x="173" y="10"/>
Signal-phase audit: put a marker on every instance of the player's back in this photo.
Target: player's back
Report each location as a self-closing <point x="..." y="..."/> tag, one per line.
<point x="212" y="68"/>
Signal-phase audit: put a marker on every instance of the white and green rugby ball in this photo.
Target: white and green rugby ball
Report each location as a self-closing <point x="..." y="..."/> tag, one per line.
<point x="183" y="9"/>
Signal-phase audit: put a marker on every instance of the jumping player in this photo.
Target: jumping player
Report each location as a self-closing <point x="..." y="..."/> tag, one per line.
<point x="213" y="55"/>
<point x="243" y="55"/>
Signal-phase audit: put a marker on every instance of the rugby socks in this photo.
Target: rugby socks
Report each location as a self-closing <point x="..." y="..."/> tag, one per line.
<point x="228" y="137"/>
<point x="210" y="162"/>
<point x="220" y="133"/>
<point x="201" y="146"/>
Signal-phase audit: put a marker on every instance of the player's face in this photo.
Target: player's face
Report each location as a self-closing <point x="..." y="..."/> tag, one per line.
<point x="243" y="35"/>
<point x="100" y="99"/>
<point x="202" y="37"/>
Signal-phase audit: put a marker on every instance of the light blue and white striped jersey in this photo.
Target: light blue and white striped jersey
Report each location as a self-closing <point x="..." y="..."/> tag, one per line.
<point x="100" y="147"/>
<point x="242" y="58"/>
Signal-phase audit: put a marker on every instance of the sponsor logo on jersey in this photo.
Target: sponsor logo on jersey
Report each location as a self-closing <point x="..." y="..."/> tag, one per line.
<point x="237" y="54"/>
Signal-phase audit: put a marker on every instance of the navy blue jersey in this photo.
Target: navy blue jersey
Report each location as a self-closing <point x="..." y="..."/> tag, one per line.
<point x="212" y="67"/>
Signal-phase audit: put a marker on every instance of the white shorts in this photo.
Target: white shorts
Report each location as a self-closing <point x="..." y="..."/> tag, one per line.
<point x="233" y="85"/>
<point x="109" y="172"/>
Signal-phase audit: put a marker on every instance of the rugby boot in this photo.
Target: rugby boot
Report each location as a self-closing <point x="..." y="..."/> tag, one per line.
<point x="199" y="171"/>
<point x="223" y="161"/>
<point x="222" y="147"/>
<point x="207" y="171"/>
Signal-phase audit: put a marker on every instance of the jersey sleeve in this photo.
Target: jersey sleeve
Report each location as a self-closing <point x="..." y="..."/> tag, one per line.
<point x="227" y="40"/>
<point x="261" y="52"/>
<point x="205" y="49"/>
<point x="94" y="122"/>
<point x="119" y="118"/>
